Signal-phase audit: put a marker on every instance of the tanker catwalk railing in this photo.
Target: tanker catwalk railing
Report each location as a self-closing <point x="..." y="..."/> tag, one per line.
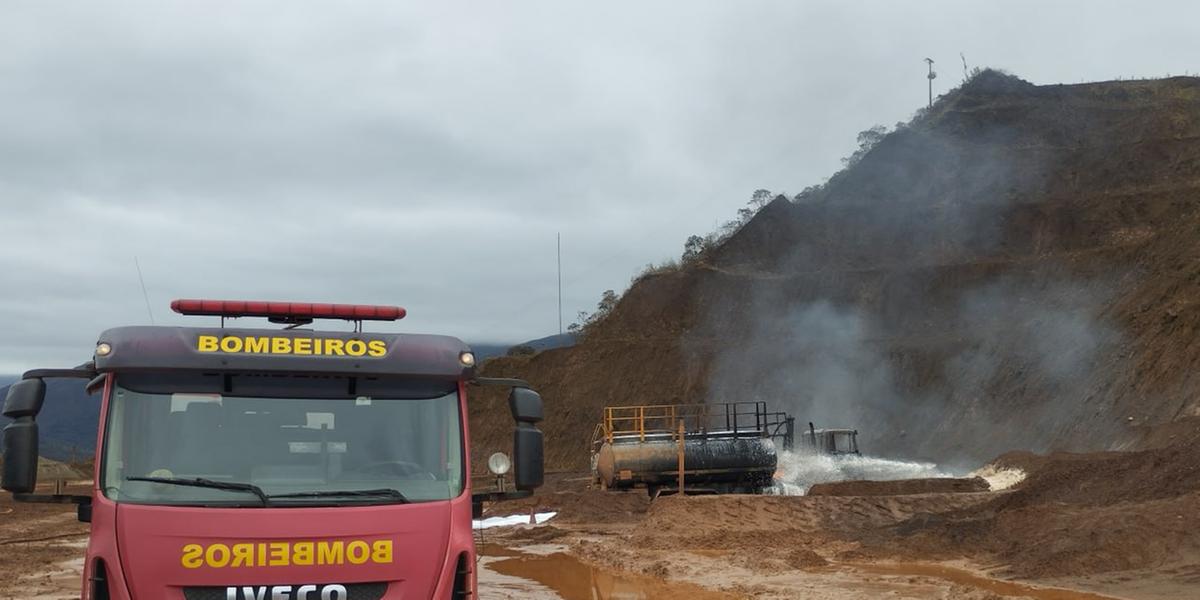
<point x="661" y="421"/>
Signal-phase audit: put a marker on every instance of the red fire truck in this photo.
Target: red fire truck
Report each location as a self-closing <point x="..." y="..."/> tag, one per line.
<point x="273" y="464"/>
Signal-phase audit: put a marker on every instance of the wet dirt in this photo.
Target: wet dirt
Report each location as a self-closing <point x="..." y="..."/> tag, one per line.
<point x="803" y="548"/>
<point x="59" y="581"/>
<point x="967" y="578"/>
<point x="41" y="548"/>
<point x="572" y="579"/>
<point x="621" y="546"/>
<point x="496" y="586"/>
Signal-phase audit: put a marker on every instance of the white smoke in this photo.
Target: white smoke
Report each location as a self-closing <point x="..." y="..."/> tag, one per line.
<point x="919" y="299"/>
<point x="999" y="366"/>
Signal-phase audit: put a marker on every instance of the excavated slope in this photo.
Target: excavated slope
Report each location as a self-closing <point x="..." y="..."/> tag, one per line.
<point x="1016" y="269"/>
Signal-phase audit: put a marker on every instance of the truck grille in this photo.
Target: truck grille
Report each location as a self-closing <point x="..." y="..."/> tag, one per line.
<point x="354" y="591"/>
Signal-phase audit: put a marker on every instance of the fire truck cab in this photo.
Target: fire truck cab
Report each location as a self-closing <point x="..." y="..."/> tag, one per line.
<point x="272" y="464"/>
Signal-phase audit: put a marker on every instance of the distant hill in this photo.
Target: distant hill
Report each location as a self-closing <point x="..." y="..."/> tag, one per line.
<point x="1014" y="269"/>
<point x="486" y="351"/>
<point x="67" y="424"/>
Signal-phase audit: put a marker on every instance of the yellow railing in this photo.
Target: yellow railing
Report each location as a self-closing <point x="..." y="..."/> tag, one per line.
<point x="646" y="419"/>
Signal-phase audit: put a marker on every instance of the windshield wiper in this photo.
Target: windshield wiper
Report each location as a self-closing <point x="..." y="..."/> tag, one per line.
<point x="389" y="492"/>
<point x="208" y="483"/>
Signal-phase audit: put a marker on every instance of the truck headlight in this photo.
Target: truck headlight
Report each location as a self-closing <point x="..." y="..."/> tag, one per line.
<point x="499" y="463"/>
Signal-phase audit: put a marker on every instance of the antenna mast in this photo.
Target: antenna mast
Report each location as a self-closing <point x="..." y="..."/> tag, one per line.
<point x="559" y="253"/>
<point x="932" y="75"/>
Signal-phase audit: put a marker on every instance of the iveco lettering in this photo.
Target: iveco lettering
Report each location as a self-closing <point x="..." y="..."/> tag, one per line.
<point x="277" y="464"/>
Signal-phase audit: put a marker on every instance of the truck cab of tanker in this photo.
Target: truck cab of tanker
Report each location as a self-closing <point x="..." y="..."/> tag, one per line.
<point x="836" y="442"/>
<point x="277" y="463"/>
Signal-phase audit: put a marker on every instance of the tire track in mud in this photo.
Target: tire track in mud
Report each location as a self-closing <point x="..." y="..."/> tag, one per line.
<point x="44" y="545"/>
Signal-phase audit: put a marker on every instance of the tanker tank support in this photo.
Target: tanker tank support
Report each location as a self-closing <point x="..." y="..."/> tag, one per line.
<point x="690" y="448"/>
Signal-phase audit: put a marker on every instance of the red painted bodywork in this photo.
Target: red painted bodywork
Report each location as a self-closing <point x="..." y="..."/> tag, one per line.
<point x="141" y="545"/>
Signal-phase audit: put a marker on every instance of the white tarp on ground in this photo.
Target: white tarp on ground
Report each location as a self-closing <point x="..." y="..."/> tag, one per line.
<point x="490" y="522"/>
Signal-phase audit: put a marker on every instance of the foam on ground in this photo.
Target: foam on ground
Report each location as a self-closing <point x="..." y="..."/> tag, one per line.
<point x="511" y="520"/>
<point x="1000" y="478"/>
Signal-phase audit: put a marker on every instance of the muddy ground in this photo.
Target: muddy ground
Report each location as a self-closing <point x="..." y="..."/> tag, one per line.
<point x="874" y="540"/>
<point x="41" y="548"/>
<point x="1073" y="529"/>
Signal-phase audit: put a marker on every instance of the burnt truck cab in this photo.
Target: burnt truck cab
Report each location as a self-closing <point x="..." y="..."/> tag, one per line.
<point x="277" y="464"/>
<point x="836" y="442"/>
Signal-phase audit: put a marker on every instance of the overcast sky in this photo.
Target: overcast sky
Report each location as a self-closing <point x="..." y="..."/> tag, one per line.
<point x="426" y="154"/>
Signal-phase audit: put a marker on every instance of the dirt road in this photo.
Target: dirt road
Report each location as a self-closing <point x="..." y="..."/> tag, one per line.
<point x="550" y="572"/>
<point x="609" y="545"/>
<point x="41" y="549"/>
<point x="906" y="545"/>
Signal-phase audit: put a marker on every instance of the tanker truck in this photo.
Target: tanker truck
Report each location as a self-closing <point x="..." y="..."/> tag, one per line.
<point x="288" y="464"/>
<point x="693" y="448"/>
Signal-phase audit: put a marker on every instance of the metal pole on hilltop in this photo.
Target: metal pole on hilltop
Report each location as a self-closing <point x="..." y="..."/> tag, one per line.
<point x="932" y="75"/>
<point x="559" y="251"/>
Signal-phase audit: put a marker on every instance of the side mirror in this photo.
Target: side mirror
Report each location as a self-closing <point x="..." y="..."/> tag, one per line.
<point x="526" y="405"/>
<point x="529" y="465"/>
<point x="20" y="456"/>
<point x="23" y="403"/>
<point x="25" y="398"/>
<point x="528" y="448"/>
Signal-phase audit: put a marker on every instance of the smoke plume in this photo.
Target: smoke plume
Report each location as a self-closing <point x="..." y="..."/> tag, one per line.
<point x="918" y="297"/>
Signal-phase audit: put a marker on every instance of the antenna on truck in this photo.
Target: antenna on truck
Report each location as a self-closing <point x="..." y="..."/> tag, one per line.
<point x="145" y="296"/>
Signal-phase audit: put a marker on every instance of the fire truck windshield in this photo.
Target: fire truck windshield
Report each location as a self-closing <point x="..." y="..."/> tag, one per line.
<point x="302" y="450"/>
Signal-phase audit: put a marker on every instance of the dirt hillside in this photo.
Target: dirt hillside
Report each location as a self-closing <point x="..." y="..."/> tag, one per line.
<point x="1017" y="268"/>
<point x="1078" y="515"/>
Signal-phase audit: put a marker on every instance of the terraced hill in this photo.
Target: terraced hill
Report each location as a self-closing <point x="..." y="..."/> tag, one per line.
<point x="1017" y="268"/>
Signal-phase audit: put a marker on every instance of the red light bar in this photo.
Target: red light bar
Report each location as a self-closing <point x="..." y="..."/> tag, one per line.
<point x="287" y="310"/>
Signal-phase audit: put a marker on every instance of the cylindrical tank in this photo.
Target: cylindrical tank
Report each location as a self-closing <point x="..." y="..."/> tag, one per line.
<point x="623" y="463"/>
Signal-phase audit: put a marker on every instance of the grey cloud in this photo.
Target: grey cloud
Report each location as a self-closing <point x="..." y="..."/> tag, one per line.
<point x="427" y="154"/>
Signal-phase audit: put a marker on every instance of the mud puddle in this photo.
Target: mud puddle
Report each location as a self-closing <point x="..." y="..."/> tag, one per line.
<point x="999" y="587"/>
<point x="572" y="579"/>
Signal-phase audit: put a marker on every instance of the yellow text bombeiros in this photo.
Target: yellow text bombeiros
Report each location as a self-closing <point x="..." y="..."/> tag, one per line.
<point x="294" y="346"/>
<point x="283" y="554"/>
